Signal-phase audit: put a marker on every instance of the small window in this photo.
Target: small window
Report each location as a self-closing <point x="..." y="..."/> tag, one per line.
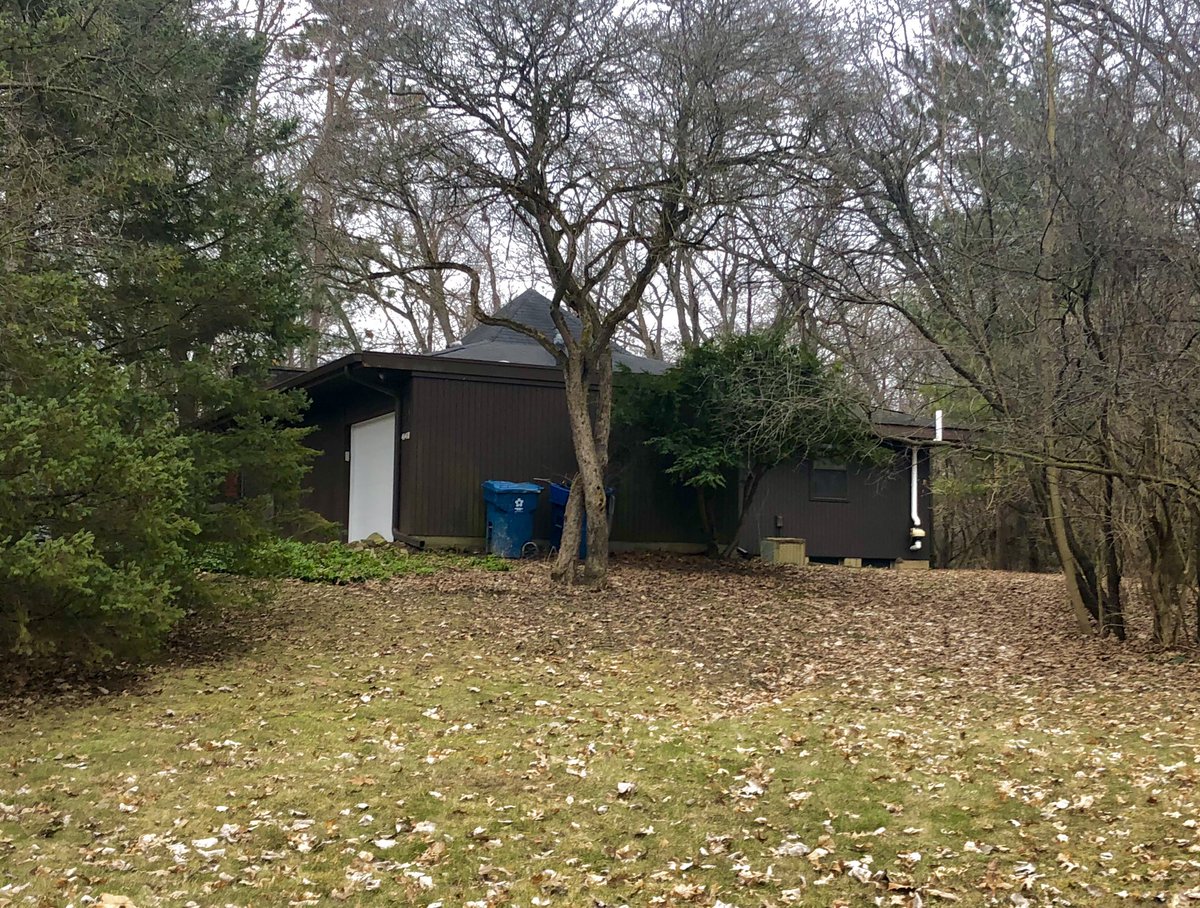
<point x="829" y="481"/>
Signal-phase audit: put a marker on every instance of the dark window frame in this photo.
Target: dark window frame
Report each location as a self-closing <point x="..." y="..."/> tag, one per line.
<point x="826" y="466"/>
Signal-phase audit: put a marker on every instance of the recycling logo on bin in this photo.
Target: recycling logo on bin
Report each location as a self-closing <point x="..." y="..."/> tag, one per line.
<point x="511" y="508"/>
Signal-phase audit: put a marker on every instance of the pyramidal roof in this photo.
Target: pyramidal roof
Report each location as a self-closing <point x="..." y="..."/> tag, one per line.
<point x="497" y="344"/>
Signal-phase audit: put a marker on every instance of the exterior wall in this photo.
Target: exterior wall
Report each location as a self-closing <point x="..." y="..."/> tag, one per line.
<point x="872" y="523"/>
<point x="650" y="507"/>
<point x="330" y="416"/>
<point x="462" y="430"/>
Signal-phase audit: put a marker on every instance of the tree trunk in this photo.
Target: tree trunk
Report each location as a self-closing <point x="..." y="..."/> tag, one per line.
<point x="1165" y="576"/>
<point x="323" y="219"/>
<point x="708" y="522"/>
<point x="1167" y="568"/>
<point x="1085" y="571"/>
<point x="435" y="295"/>
<point x="1056" y="514"/>
<point x="1112" y="614"/>
<point x="590" y="437"/>
<point x="595" y="569"/>
<point x="1062" y="545"/>
<point x="1003" y="556"/>
<point x="675" y="283"/>
<point x="749" y="488"/>
<point x="566" y="564"/>
<point x="1195" y="513"/>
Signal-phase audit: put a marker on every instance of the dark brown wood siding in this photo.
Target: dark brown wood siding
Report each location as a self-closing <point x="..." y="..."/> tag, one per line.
<point x="462" y="430"/>
<point x="873" y="521"/>
<point x="331" y="412"/>
<point x="650" y="507"/>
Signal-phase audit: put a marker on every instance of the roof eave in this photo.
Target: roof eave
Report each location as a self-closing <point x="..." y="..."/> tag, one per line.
<point x="918" y="434"/>
<point x="414" y="363"/>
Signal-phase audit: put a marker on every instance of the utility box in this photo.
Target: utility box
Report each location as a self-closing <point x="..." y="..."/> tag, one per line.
<point x="784" y="550"/>
<point x="510" y="510"/>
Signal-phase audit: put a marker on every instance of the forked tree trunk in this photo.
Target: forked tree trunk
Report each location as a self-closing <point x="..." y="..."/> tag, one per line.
<point x="1083" y="570"/>
<point x="748" y="490"/>
<point x="1166" y="573"/>
<point x="589" y="433"/>
<point x="1167" y="566"/>
<point x="1062" y="545"/>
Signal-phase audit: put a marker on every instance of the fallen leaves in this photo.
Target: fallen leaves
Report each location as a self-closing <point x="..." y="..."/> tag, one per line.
<point x="727" y="736"/>
<point x="433" y="854"/>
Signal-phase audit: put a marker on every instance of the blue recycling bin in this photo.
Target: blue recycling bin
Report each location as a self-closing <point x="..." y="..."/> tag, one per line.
<point x="510" y="510"/>
<point x="558" y="515"/>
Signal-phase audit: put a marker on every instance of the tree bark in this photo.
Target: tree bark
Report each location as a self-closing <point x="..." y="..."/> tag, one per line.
<point x="1062" y="545"/>
<point x="590" y="437"/>
<point x="1112" y="614"/>
<point x="566" y="563"/>
<point x="675" y="284"/>
<point x="1196" y="566"/>
<point x="708" y="522"/>
<point x="749" y="489"/>
<point x="595" y="569"/>
<point x="1165" y="576"/>
<point x="1056" y="513"/>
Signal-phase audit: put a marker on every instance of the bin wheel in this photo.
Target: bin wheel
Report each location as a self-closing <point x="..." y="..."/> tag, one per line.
<point x="529" y="550"/>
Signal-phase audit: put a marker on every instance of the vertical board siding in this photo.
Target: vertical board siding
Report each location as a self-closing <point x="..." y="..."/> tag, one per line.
<point x="873" y="522"/>
<point x="463" y="431"/>
<point x="650" y="506"/>
<point x="330" y="414"/>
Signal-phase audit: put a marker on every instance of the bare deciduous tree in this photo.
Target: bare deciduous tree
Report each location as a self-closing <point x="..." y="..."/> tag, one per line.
<point x="605" y="131"/>
<point x="1025" y="190"/>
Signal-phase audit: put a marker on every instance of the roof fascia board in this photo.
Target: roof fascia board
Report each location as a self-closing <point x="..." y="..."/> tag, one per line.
<point x="450" y="367"/>
<point x="407" y="362"/>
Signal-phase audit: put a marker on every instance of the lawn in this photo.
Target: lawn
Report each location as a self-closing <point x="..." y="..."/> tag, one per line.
<point x="742" y="736"/>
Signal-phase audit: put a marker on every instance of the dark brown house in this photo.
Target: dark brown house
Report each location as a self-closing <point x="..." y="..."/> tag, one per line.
<point x="403" y="443"/>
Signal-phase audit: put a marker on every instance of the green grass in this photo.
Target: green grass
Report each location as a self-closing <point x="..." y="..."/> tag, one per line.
<point x="412" y="746"/>
<point x="333" y="562"/>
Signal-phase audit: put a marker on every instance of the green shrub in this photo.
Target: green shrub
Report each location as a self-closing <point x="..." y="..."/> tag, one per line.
<point x="331" y="562"/>
<point x="104" y="496"/>
<point x="735" y="408"/>
<point x="93" y="531"/>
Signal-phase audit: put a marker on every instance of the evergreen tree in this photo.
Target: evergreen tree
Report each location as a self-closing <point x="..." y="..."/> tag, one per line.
<point x="147" y="250"/>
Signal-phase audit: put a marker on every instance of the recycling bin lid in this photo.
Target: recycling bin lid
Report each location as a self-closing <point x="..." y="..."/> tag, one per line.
<point x="560" y="493"/>
<point x="499" y="485"/>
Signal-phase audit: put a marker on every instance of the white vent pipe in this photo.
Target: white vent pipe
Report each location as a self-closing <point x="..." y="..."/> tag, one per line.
<point x="916" y="515"/>
<point x="916" y="532"/>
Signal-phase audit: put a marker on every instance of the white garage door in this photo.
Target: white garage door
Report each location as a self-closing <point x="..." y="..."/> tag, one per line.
<point x="372" y="475"/>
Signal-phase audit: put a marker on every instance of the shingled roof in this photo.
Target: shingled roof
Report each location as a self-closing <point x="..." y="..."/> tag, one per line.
<point x="493" y="343"/>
